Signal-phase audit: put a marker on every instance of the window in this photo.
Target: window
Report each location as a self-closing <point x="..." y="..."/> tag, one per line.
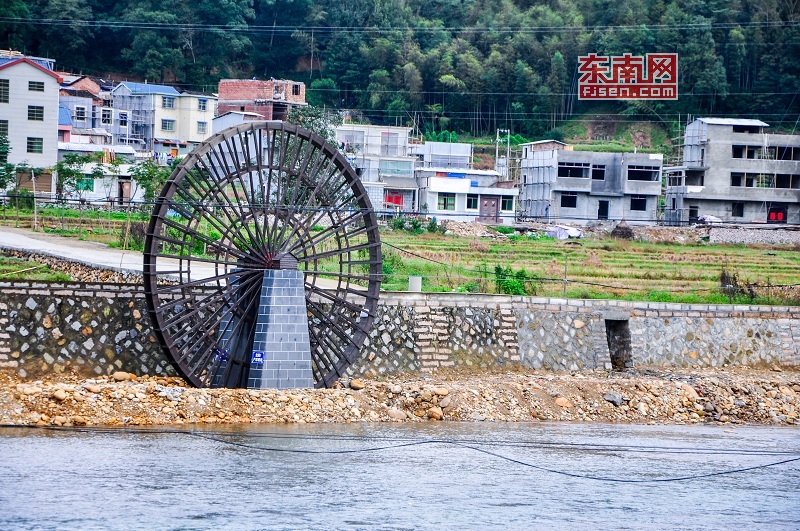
<point x="736" y="178"/>
<point x="737" y="210"/>
<point x="573" y="169"/>
<point x="35" y="113"/>
<point x="202" y="105"/>
<point x="393" y="198"/>
<point x="599" y="173"/>
<point x="351" y="140"/>
<point x="4" y="91"/>
<point x="638" y="202"/>
<point x="507" y="202"/>
<point x="446" y="201"/>
<point x="36" y="86"/>
<point x="569" y="200"/>
<point x="4" y="127"/>
<point x="167" y="125"/>
<point x="766" y="180"/>
<point x="391" y="144"/>
<point x="472" y="201"/>
<point x="80" y="113"/>
<point x="753" y="129"/>
<point x="84" y="184"/>
<point x="106" y="116"/>
<point x="397" y="168"/>
<point x="737" y="152"/>
<point x="295" y="90"/>
<point x="35" y="145"/>
<point x="202" y="127"/>
<point x="123" y="119"/>
<point x="168" y="102"/>
<point x="643" y="173"/>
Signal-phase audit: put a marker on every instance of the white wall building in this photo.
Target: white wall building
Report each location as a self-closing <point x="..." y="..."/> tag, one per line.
<point x="465" y="194"/>
<point x="29" y="109"/>
<point x="232" y="118"/>
<point x="561" y="184"/>
<point x="381" y="156"/>
<point x="734" y="169"/>
<point x="442" y="154"/>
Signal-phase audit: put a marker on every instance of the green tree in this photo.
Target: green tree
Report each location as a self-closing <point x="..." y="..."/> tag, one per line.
<point x="317" y="120"/>
<point x="70" y="173"/>
<point x="7" y="171"/>
<point x="150" y="177"/>
<point x="557" y="83"/>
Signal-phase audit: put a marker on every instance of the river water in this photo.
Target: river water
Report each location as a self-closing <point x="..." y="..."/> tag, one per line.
<point x="401" y="476"/>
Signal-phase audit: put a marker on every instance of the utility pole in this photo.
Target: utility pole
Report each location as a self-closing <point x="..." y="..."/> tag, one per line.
<point x="497" y="150"/>
<point x="35" y="216"/>
<point x="508" y="154"/>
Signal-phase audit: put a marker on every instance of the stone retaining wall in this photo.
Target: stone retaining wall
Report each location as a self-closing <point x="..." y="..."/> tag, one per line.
<point x="101" y="328"/>
<point x="768" y="236"/>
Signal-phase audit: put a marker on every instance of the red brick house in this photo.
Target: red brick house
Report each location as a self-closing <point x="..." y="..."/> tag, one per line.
<point x="271" y="98"/>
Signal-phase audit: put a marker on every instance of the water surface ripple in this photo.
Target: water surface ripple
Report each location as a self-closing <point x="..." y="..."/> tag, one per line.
<point x="233" y="478"/>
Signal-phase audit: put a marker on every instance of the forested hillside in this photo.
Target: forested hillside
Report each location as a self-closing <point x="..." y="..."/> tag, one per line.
<point x="465" y="65"/>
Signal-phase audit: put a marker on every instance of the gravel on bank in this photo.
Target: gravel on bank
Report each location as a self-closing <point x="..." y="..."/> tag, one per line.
<point x="689" y="396"/>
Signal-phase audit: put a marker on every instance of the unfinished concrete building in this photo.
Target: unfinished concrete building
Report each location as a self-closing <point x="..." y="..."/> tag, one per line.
<point x="560" y="184"/>
<point x="735" y="170"/>
<point x="271" y="98"/>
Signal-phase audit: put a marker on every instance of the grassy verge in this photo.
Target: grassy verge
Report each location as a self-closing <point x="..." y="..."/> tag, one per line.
<point x="18" y="269"/>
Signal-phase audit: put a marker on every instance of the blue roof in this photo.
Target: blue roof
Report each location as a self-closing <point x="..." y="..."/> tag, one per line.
<point x="64" y="117"/>
<point x="45" y="63"/>
<point x="147" y="88"/>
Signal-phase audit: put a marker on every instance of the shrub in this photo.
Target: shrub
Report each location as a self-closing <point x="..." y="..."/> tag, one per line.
<point x="398" y="223"/>
<point x="513" y="283"/>
<point x="504" y="230"/>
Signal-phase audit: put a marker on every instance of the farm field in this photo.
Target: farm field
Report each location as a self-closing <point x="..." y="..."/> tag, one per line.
<point x="596" y="266"/>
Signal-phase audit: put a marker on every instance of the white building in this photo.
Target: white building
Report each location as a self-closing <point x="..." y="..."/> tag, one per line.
<point x="380" y="155"/>
<point x="464" y="194"/>
<point x="232" y="118"/>
<point x="29" y="109"/>
<point x="442" y="154"/>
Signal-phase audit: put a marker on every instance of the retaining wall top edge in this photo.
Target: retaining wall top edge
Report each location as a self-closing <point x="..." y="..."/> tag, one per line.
<point x="390" y="298"/>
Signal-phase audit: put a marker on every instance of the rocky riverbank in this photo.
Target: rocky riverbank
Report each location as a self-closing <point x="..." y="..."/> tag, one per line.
<point x="736" y="396"/>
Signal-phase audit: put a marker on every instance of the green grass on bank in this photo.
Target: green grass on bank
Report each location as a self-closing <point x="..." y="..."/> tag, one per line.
<point x="19" y="269"/>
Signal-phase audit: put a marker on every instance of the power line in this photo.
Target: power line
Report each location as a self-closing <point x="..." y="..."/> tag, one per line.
<point x="288" y="30"/>
<point x="397" y="444"/>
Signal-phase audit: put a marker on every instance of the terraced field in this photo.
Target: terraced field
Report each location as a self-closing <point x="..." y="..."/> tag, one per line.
<point x="593" y="267"/>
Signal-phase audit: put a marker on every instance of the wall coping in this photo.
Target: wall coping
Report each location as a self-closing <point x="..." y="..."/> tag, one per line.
<point x="439" y="299"/>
